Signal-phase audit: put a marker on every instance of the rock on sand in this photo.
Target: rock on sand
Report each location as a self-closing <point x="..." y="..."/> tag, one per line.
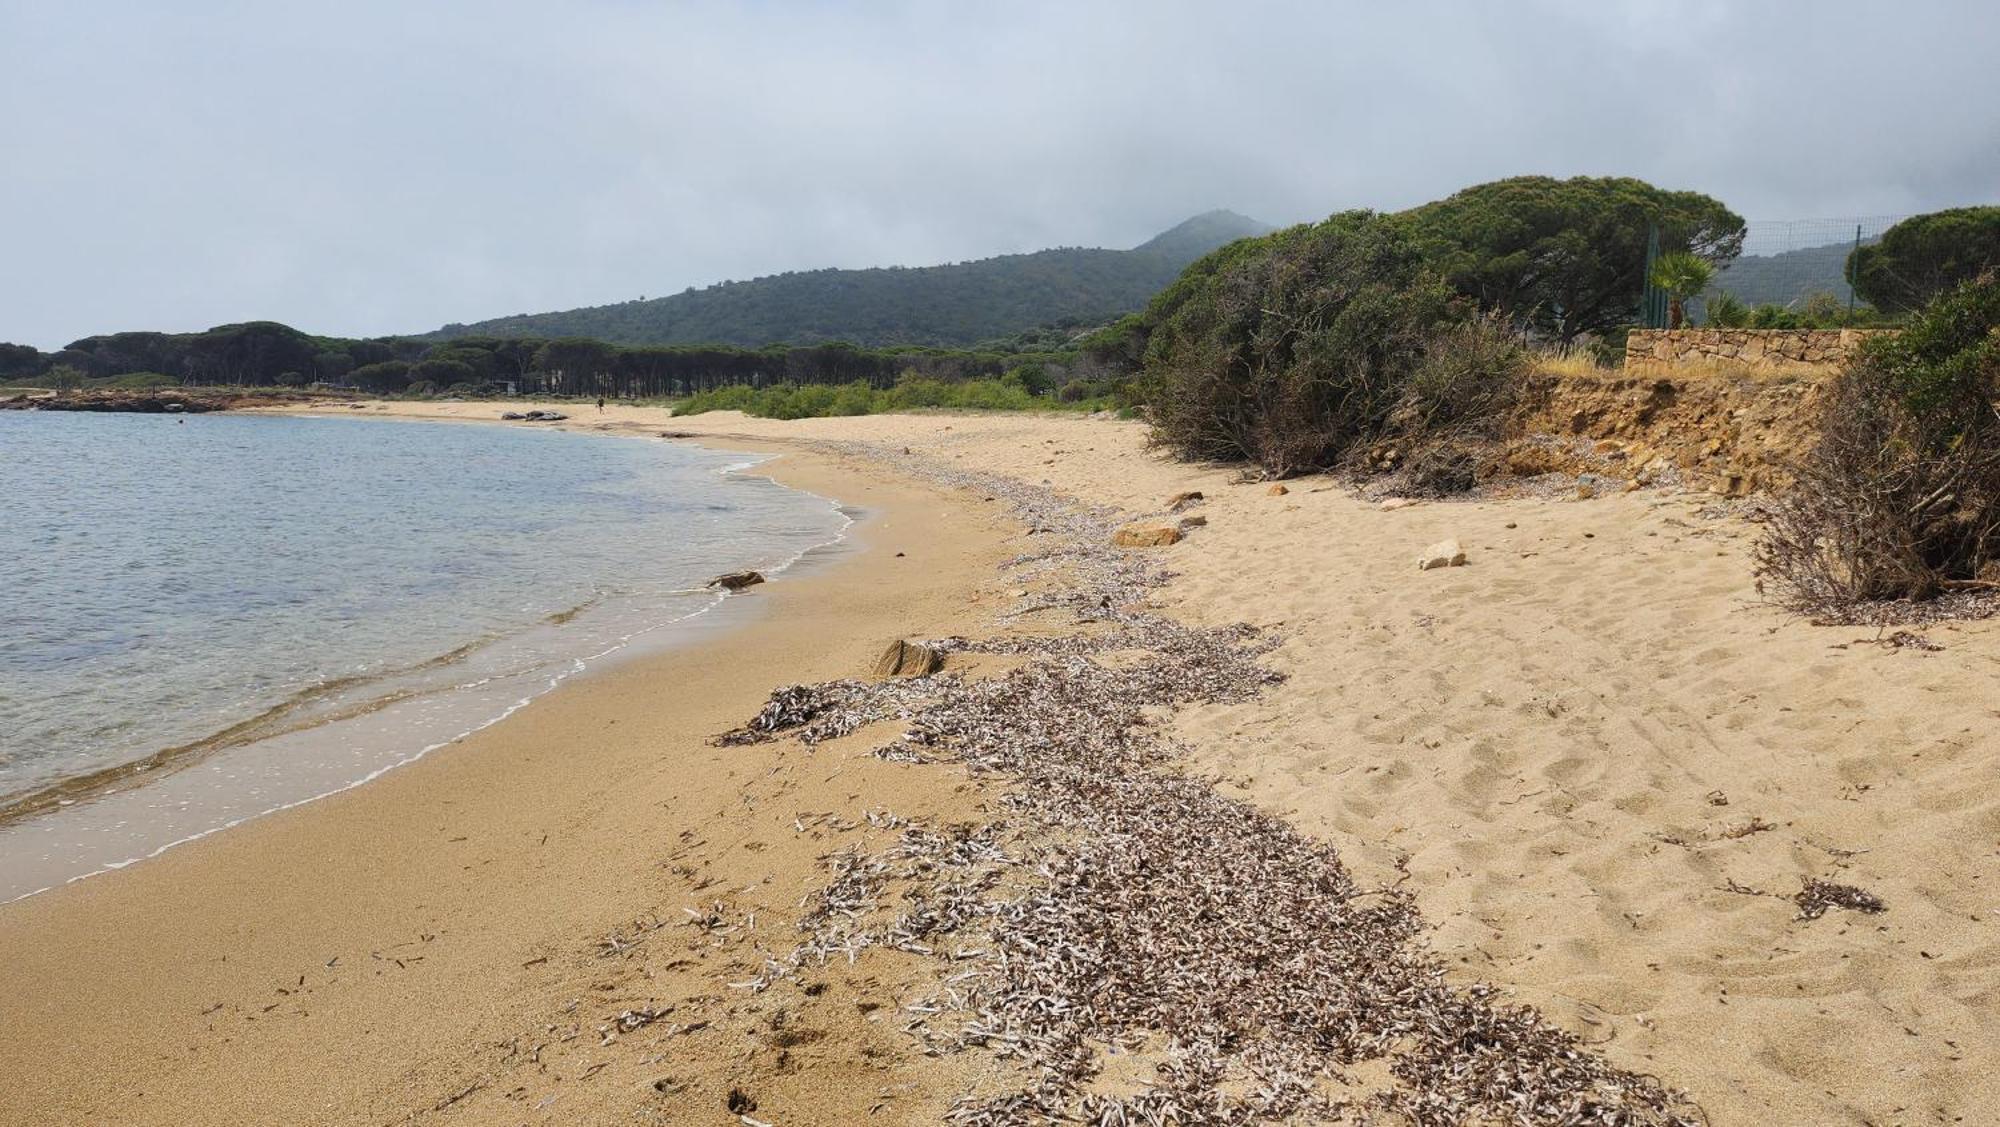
<point x="1444" y="553"/>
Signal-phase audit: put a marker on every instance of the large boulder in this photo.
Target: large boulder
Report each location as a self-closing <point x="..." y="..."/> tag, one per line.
<point x="908" y="659"/>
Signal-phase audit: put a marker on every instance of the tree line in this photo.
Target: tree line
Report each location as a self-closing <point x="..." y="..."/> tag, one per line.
<point x="266" y="354"/>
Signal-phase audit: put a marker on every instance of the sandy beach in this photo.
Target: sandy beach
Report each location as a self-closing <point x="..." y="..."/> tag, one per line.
<point x="1593" y="759"/>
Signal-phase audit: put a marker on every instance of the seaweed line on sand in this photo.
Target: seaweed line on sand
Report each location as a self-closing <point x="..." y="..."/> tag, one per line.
<point x="1118" y="908"/>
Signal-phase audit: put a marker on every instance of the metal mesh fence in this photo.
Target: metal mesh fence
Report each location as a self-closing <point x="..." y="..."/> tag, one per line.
<point x="1793" y="264"/>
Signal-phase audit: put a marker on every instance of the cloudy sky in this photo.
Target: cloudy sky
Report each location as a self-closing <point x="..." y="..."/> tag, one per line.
<point x="363" y="168"/>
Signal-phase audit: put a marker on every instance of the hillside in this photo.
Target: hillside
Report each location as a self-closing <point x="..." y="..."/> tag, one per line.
<point x="946" y="306"/>
<point x="1787" y="278"/>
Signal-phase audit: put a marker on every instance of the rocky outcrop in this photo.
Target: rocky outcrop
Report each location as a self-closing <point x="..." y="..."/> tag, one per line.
<point x="148" y="402"/>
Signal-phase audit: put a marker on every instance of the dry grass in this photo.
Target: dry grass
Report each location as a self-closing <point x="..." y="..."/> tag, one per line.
<point x="1578" y="365"/>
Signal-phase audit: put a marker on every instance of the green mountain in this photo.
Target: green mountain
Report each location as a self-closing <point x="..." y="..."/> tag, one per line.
<point x="943" y="306"/>
<point x="1787" y="278"/>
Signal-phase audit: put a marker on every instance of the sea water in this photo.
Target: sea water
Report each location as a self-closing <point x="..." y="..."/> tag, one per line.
<point x="205" y="618"/>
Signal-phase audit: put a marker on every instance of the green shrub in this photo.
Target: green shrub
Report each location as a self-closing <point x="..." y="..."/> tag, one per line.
<point x="911" y="393"/>
<point x="1899" y="497"/>
<point x="1724" y="311"/>
<point x="141" y="380"/>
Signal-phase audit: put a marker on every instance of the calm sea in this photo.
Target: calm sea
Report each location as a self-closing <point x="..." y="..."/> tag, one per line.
<point x="242" y="613"/>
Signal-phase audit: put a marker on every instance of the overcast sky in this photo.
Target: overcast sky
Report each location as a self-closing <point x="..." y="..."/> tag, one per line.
<point x="364" y="168"/>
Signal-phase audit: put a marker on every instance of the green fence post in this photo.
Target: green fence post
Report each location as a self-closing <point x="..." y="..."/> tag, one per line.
<point x="1652" y="303"/>
<point x="1849" y="272"/>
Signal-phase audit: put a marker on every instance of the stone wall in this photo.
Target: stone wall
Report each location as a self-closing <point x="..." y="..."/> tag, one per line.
<point x="1651" y="350"/>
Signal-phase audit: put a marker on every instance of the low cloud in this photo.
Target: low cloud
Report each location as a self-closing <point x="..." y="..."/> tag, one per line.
<point x="372" y="168"/>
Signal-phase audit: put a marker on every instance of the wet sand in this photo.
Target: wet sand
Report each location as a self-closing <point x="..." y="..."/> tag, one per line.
<point x="358" y="959"/>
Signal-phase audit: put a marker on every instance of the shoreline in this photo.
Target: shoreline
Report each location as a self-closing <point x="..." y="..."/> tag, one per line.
<point x="370" y="869"/>
<point x="130" y="785"/>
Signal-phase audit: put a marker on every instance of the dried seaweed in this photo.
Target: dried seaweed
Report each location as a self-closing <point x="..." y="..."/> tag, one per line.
<point x="1119" y="902"/>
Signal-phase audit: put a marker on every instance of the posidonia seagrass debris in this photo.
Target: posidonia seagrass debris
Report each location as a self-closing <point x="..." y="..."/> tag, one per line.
<point x="1119" y="906"/>
<point x="1816" y="896"/>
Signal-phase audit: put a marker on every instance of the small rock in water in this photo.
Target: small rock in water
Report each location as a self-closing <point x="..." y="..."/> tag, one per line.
<point x="1146" y="536"/>
<point x="737" y="580"/>
<point x="908" y="659"/>
<point x="1444" y="553"/>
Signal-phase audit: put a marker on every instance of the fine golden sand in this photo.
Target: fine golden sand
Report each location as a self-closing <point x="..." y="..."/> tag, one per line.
<point x="1578" y="753"/>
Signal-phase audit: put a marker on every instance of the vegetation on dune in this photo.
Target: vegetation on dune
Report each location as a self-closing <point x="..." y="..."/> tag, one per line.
<point x="913" y="393"/>
<point x="1296" y="351"/>
<point x="1925" y="256"/>
<point x="955" y="306"/>
<point x="1900" y="496"/>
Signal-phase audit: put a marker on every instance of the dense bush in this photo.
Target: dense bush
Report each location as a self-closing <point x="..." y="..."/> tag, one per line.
<point x="1899" y="498"/>
<point x="1446" y="424"/>
<point x="1294" y="350"/>
<point x="1925" y="256"/>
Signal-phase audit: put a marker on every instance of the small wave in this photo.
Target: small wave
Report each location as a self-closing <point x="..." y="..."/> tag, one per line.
<point x="347" y="698"/>
<point x="277" y="720"/>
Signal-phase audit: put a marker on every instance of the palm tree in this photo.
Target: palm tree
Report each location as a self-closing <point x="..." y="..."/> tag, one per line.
<point x="1682" y="276"/>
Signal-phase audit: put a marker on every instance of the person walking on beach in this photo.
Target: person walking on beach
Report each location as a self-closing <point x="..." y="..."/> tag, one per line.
<point x="600" y="404"/>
